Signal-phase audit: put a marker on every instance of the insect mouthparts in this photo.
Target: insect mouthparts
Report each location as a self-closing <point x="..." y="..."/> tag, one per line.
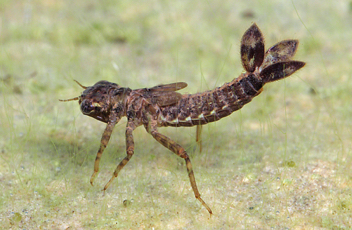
<point x="86" y="107"/>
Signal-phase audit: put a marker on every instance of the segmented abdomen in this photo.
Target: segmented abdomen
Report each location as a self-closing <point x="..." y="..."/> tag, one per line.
<point x="212" y="105"/>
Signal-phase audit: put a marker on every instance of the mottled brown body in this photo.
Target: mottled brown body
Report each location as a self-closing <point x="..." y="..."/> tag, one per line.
<point x="162" y="106"/>
<point x="209" y="106"/>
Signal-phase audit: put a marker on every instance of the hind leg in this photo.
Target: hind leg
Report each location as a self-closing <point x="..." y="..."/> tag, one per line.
<point x="179" y="151"/>
<point x="199" y="137"/>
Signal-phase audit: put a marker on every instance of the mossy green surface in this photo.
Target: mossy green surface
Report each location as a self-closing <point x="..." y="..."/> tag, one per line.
<point x="283" y="161"/>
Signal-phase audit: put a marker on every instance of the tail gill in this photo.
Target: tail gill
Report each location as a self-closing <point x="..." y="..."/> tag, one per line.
<point x="272" y="65"/>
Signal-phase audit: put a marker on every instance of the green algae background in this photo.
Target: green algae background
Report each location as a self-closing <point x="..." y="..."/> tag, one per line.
<point x="282" y="162"/>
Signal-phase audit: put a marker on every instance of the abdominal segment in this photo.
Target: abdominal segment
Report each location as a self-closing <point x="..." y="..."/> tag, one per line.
<point x="212" y="105"/>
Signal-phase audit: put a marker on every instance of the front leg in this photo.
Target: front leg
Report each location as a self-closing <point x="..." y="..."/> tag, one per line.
<point x="103" y="143"/>
<point x="129" y="150"/>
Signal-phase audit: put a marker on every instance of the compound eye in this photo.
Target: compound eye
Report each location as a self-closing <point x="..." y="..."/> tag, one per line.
<point x="86" y="107"/>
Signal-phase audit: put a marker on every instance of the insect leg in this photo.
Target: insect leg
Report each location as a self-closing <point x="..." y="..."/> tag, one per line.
<point x="129" y="150"/>
<point x="180" y="151"/>
<point x="199" y="137"/>
<point x="103" y="143"/>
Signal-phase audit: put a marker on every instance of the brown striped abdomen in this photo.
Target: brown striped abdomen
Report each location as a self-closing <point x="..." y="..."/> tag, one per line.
<point x="212" y="105"/>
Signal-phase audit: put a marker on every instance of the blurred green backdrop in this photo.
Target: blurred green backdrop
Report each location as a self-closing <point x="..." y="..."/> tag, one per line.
<point x="282" y="162"/>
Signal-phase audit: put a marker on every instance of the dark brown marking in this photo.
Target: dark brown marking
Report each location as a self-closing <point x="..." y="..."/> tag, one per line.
<point x="280" y="70"/>
<point x="280" y="52"/>
<point x="252" y="48"/>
